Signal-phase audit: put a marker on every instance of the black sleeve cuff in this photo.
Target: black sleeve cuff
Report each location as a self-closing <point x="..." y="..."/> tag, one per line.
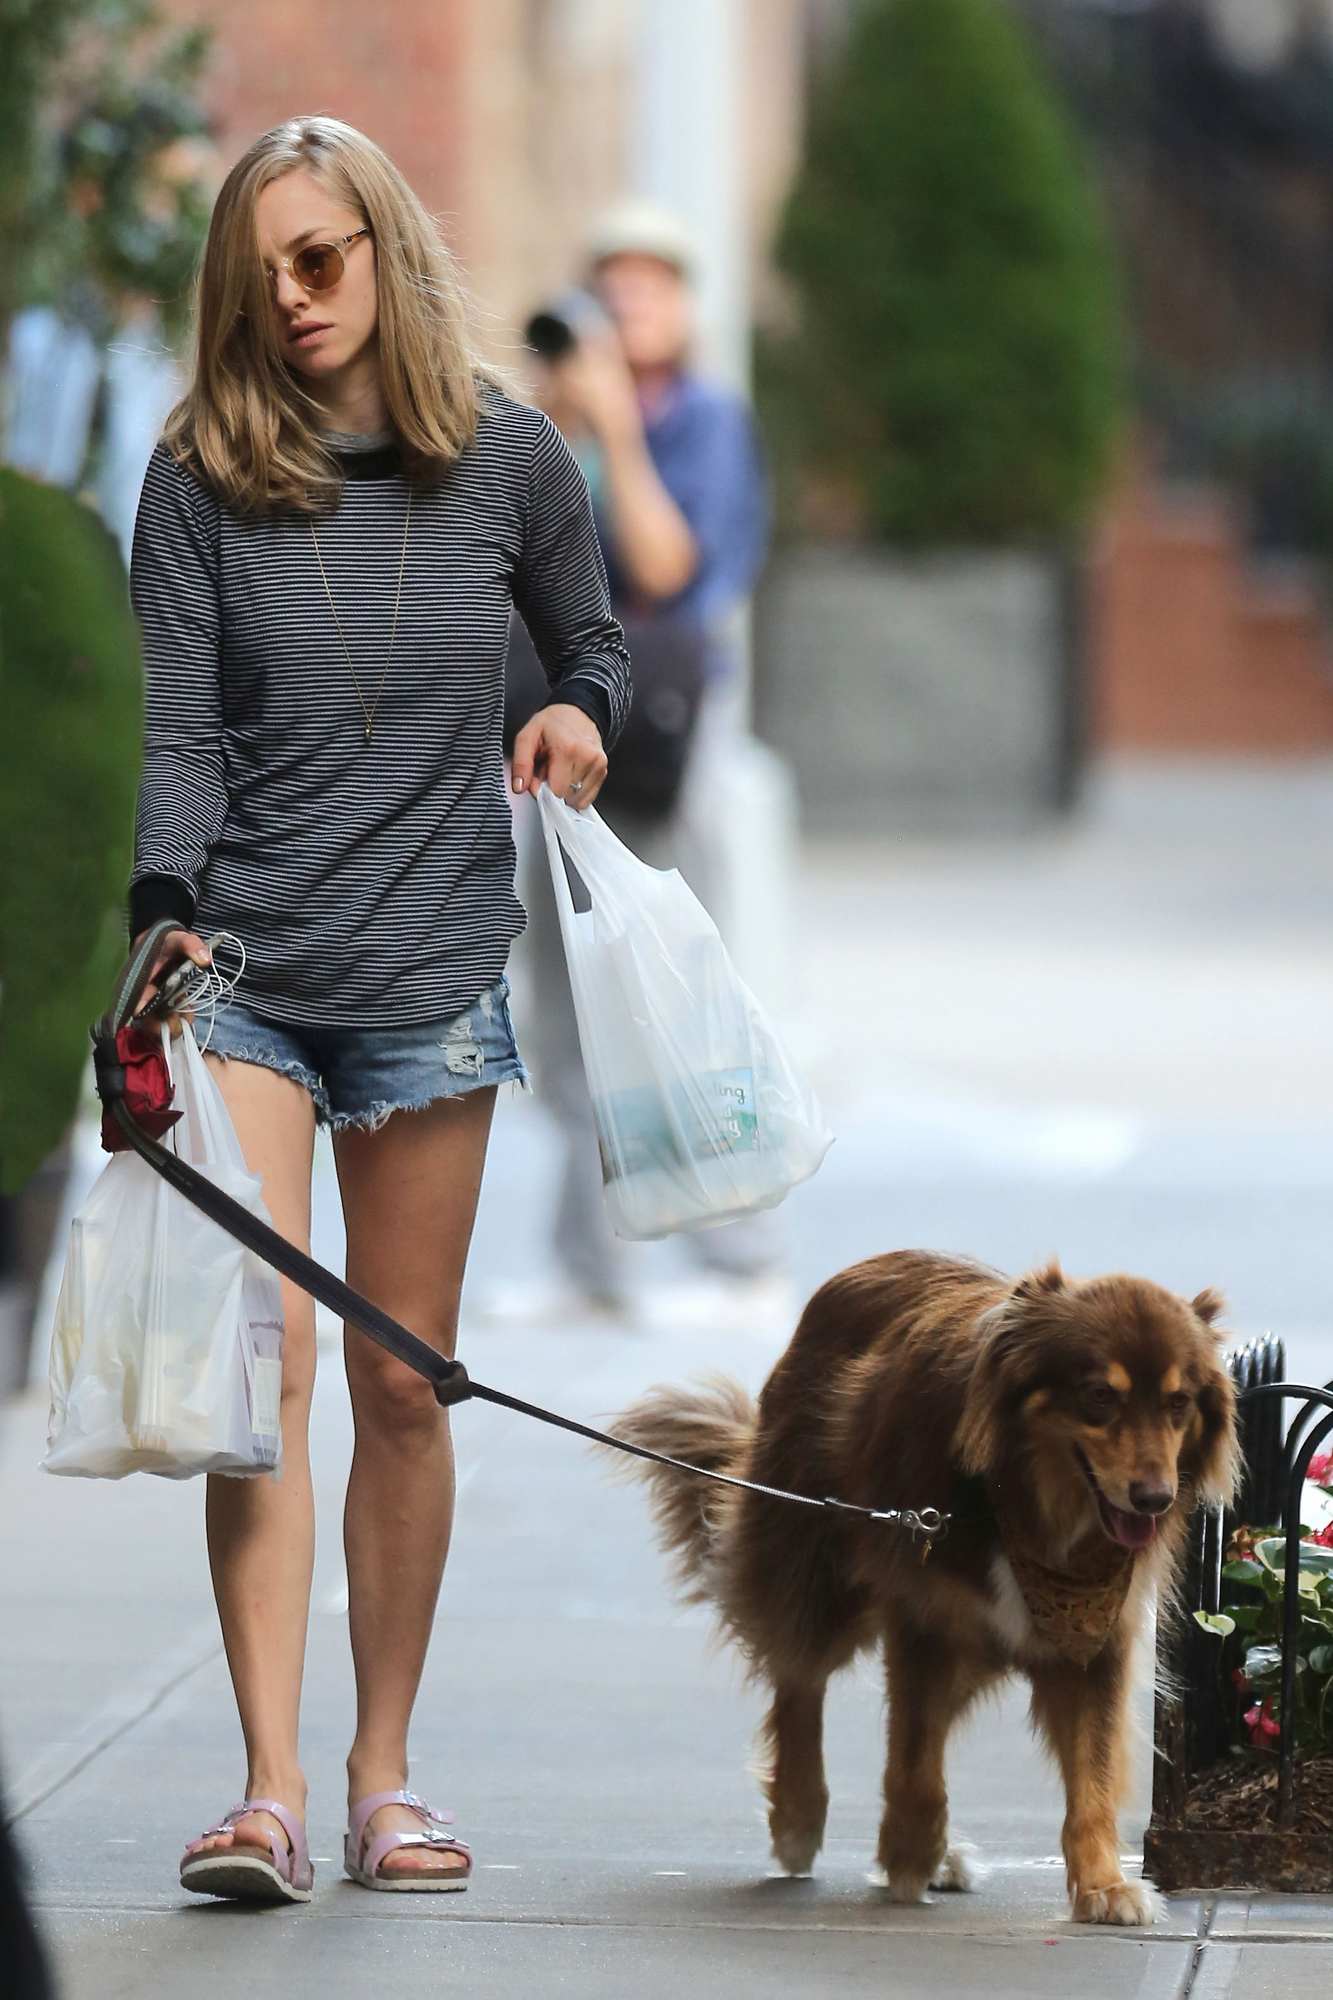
<point x="154" y="896"/>
<point x="591" y="697"/>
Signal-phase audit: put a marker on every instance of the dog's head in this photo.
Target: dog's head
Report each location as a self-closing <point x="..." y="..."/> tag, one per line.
<point x="1108" y="1396"/>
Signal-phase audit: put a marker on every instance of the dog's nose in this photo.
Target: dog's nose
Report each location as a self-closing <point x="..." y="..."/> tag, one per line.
<point x="1146" y="1499"/>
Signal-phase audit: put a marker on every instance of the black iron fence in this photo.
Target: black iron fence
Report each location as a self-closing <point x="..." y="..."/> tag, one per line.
<point x="1196" y="1717"/>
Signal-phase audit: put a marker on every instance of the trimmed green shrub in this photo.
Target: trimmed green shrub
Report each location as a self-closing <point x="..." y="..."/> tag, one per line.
<point x="70" y="721"/>
<point x="956" y="365"/>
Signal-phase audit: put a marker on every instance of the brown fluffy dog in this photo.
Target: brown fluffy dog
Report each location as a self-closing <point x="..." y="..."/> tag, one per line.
<point x="1069" y="1428"/>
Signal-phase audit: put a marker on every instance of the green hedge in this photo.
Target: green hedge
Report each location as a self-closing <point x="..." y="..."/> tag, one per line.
<point x="70" y="725"/>
<point x="957" y="361"/>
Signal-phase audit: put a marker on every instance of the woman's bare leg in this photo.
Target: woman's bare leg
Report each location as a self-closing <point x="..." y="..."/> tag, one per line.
<point x="261" y="1532"/>
<point x="409" y="1198"/>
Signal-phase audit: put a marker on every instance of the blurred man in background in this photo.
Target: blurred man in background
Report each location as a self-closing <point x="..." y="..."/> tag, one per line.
<point x="681" y="501"/>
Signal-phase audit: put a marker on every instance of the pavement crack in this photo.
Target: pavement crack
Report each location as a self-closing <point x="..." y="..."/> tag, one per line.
<point x="1207" y="1917"/>
<point x="110" y="1723"/>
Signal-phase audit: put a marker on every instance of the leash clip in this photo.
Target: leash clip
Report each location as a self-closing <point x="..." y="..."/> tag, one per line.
<point x="926" y="1524"/>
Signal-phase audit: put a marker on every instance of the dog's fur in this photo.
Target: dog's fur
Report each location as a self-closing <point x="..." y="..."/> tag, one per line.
<point x="916" y="1380"/>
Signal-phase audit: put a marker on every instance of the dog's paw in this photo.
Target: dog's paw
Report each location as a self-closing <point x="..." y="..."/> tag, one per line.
<point x="901" y="1887"/>
<point x="795" y="1852"/>
<point x="1119" y="1903"/>
<point x="960" y="1868"/>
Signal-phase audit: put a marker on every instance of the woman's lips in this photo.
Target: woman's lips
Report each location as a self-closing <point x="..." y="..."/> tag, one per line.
<point x="304" y="336"/>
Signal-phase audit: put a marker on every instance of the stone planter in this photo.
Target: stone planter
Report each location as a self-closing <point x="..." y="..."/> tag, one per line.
<point x="926" y="694"/>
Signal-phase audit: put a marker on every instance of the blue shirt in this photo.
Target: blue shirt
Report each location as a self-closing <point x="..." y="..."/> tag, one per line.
<point x="706" y="452"/>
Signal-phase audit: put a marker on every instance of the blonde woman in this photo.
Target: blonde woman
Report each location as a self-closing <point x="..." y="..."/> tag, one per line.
<point x="341" y="512"/>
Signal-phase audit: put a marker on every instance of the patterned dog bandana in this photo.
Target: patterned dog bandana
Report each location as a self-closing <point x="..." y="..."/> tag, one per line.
<point x="1075" y="1609"/>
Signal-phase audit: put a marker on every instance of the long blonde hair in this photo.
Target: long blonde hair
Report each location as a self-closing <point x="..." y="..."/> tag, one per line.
<point x="246" y="423"/>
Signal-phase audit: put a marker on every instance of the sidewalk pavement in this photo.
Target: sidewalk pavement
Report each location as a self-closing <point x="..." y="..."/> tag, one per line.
<point x="1110" y="1041"/>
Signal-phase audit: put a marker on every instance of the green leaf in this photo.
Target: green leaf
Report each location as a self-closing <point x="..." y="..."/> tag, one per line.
<point x="1261" y="1660"/>
<point x="1321" y="1660"/>
<point x="1216" y="1622"/>
<point x="1244" y="1571"/>
<point x="1315" y="1558"/>
<point x="1246" y="1616"/>
<point x="1272" y="1551"/>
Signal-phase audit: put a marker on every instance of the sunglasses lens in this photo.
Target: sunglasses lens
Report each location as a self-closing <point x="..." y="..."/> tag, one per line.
<point x="318" y="267"/>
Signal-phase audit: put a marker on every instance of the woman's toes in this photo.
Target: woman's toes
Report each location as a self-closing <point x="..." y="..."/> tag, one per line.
<point x="255" y="1828"/>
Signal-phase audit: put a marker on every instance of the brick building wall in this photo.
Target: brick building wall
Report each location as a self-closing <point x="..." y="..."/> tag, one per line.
<point x="511" y="118"/>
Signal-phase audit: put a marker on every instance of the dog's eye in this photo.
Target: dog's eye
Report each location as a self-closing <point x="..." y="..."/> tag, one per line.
<point x="1100" y="1401"/>
<point x="1179" y="1405"/>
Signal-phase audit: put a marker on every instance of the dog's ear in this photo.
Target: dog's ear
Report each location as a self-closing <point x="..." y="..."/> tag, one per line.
<point x="997" y="1373"/>
<point x="1042" y="1283"/>
<point x="1208" y="1305"/>
<point x="1008" y="1336"/>
<point x="1210" y="1459"/>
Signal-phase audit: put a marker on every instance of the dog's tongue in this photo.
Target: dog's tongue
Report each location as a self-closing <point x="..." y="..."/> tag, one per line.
<point x="1132" y="1531"/>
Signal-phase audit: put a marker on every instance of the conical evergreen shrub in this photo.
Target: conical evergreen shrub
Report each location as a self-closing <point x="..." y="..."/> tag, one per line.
<point x="956" y="363"/>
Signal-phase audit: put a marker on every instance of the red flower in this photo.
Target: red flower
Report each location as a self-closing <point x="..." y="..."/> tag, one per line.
<point x="1260" y="1723"/>
<point x="1323" y="1536"/>
<point x="1238" y="1680"/>
<point x="1319" y="1472"/>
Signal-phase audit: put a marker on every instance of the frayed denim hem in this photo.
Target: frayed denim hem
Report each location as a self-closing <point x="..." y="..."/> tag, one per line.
<point x="376" y="1116"/>
<point x="295" y="1071"/>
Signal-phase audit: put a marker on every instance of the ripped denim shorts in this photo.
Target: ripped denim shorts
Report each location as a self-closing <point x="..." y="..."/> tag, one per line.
<point x="359" y="1076"/>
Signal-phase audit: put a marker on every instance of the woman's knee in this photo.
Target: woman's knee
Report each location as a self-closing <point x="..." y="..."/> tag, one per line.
<point x="389" y="1395"/>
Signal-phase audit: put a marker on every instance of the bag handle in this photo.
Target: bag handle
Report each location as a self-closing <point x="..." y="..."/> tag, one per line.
<point x="555" y="855"/>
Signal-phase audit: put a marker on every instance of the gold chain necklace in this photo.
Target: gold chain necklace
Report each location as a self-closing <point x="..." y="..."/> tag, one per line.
<point x="369" y="713"/>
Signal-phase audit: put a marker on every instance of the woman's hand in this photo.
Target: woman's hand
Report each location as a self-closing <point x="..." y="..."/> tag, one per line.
<point x="175" y="945"/>
<point x="564" y="746"/>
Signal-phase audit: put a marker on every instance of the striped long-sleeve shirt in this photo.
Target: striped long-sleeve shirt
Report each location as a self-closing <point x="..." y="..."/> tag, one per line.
<point x="370" y="882"/>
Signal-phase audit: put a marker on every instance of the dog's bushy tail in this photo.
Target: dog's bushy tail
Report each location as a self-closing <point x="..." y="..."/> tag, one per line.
<point x="711" y="1425"/>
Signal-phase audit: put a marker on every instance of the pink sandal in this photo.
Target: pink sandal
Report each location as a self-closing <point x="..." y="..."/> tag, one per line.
<point x="362" y="1860"/>
<point x="247" y="1870"/>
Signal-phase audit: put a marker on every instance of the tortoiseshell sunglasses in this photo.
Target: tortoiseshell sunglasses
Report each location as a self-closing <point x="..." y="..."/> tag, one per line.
<point x="317" y="267"/>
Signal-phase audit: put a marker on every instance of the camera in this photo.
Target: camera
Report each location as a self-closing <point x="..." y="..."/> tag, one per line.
<point x="556" y="328"/>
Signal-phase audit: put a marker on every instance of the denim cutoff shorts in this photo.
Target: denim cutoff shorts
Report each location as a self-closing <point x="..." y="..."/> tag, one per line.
<point x="360" y="1076"/>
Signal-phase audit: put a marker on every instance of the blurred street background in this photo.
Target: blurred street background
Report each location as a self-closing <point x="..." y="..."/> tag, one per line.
<point x="1024" y="833"/>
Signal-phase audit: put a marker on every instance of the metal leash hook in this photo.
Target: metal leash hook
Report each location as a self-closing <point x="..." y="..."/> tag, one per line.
<point x="449" y="1380"/>
<point x="924" y="1524"/>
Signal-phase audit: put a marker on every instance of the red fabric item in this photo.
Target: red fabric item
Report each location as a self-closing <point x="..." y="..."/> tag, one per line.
<point x="148" y="1089"/>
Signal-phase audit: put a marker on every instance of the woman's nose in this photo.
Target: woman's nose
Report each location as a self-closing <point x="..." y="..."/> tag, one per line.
<point x="288" y="293"/>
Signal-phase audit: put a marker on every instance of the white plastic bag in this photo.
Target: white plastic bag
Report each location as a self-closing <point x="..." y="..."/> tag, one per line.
<point x="700" y="1115"/>
<point x="166" y="1354"/>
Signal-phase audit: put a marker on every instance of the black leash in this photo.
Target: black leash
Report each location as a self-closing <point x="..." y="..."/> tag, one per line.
<point x="449" y="1380"/>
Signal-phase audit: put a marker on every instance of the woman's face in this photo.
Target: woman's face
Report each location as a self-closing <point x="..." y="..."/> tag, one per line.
<point x="320" y="332"/>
